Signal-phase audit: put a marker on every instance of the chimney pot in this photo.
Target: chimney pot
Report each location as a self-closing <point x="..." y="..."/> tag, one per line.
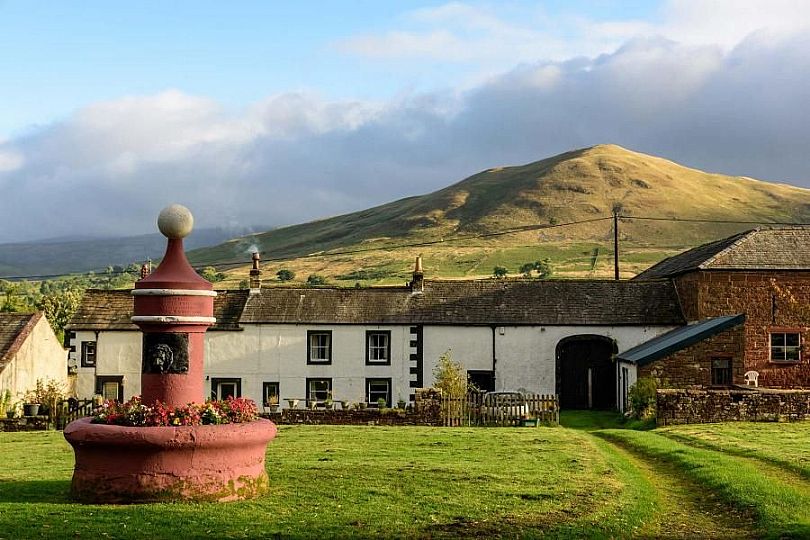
<point x="418" y="281"/>
<point x="255" y="273"/>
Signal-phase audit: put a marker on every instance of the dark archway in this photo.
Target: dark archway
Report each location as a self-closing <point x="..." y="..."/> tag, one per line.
<point x="586" y="373"/>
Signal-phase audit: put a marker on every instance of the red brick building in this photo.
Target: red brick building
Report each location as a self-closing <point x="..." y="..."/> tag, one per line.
<point x="761" y="274"/>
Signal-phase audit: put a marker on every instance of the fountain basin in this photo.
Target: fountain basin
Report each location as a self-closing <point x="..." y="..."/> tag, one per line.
<point x="125" y="464"/>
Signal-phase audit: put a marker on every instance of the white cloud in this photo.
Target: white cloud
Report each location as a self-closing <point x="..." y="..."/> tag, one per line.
<point x="294" y="157"/>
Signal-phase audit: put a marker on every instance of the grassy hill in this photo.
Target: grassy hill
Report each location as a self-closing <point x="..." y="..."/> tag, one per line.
<point x="576" y="186"/>
<point x="579" y="186"/>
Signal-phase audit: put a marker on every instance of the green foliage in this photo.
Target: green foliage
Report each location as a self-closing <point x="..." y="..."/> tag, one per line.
<point x="450" y="376"/>
<point x="48" y="393"/>
<point x="210" y="273"/>
<point x="313" y="280"/>
<point x="244" y="284"/>
<point x="59" y="306"/>
<point x="499" y="272"/>
<point x="543" y="268"/>
<point x="285" y="275"/>
<point x="642" y="397"/>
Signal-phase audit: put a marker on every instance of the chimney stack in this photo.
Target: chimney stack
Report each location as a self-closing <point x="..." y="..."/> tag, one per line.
<point x="255" y="274"/>
<point x="418" y="280"/>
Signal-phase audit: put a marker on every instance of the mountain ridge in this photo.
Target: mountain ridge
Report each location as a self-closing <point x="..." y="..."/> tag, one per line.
<point x="578" y="185"/>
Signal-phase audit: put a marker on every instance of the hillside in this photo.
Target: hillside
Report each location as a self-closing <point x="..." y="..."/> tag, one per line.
<point x="62" y="256"/>
<point x="575" y="186"/>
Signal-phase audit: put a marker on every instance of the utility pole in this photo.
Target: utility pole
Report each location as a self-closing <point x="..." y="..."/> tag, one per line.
<point x="616" y="242"/>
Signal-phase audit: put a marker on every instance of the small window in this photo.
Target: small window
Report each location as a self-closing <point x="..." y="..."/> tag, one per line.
<point x="785" y="347"/>
<point x="225" y="388"/>
<point x="319" y="389"/>
<point x="377" y="389"/>
<point x="110" y="387"/>
<point x="378" y="347"/>
<point x="319" y="347"/>
<point x="721" y="371"/>
<point x="270" y="393"/>
<point x="88" y="354"/>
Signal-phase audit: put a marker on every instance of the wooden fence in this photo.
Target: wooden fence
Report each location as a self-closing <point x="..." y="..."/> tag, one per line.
<point x="500" y="409"/>
<point x="72" y="409"/>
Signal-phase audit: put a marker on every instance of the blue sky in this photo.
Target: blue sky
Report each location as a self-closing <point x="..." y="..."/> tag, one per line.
<point x="281" y="112"/>
<point x="59" y="56"/>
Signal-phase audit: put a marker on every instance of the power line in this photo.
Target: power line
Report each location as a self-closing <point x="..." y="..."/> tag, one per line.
<point x="525" y="228"/>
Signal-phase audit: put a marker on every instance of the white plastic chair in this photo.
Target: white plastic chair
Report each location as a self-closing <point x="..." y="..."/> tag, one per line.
<point x="751" y="377"/>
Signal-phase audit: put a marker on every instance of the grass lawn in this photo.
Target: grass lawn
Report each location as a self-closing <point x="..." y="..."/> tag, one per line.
<point x="358" y="482"/>
<point x="587" y="480"/>
<point x="776" y="498"/>
<point x="778" y="444"/>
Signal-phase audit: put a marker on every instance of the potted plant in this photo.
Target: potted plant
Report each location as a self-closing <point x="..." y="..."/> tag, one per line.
<point x="381" y="403"/>
<point x="312" y="404"/>
<point x="401" y="403"/>
<point x="362" y="405"/>
<point x="328" y="403"/>
<point x="292" y="403"/>
<point x="31" y="405"/>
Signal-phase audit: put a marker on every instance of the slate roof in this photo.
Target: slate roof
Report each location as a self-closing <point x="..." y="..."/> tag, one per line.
<point x="678" y="339"/>
<point x="784" y="248"/>
<point x="14" y="329"/>
<point x="111" y="310"/>
<point x="485" y="302"/>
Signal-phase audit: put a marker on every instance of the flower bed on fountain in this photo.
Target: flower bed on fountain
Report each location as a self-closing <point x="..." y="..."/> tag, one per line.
<point x="136" y="413"/>
<point x="136" y="452"/>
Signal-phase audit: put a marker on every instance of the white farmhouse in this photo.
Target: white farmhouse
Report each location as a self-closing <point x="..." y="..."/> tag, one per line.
<point x="383" y="342"/>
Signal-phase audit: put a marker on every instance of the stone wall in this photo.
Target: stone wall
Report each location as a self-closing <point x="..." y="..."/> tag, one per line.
<point x="691" y="367"/>
<point x="715" y="293"/>
<point x="738" y="405"/>
<point x="28" y="423"/>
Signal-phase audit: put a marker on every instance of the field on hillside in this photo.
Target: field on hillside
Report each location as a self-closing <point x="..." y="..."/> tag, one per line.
<point x="341" y="481"/>
<point x="558" y="208"/>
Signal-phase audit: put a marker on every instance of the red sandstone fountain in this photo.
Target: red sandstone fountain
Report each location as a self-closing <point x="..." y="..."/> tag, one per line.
<point x="174" y="307"/>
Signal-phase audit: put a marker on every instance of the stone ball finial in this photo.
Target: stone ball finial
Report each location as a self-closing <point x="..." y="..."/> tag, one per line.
<point x="175" y="221"/>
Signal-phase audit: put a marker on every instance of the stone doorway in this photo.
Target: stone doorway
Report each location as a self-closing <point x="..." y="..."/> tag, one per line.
<point x="586" y="373"/>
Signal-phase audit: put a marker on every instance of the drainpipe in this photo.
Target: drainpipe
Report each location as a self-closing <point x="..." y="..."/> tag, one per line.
<point x="494" y="360"/>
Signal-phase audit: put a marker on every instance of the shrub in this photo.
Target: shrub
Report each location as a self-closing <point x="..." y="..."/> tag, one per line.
<point x="285" y="275"/>
<point x="499" y="272"/>
<point x="315" y="280"/>
<point x="642" y="397"/>
<point x="450" y="377"/>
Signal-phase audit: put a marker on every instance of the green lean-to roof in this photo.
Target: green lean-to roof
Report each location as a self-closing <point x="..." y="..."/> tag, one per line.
<point x="678" y="339"/>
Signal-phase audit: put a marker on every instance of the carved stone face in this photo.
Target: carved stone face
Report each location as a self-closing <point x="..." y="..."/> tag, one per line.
<point x="161" y="357"/>
<point x="165" y="353"/>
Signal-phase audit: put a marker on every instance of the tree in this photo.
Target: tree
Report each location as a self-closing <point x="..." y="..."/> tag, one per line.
<point x="526" y="269"/>
<point x="499" y="272"/>
<point x="285" y="275"/>
<point x="59" y="307"/>
<point x="450" y="376"/>
<point x="210" y="273"/>
<point x="316" y="279"/>
<point x="544" y="268"/>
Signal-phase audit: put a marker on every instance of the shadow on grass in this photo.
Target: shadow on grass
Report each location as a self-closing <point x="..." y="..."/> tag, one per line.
<point x="35" y="491"/>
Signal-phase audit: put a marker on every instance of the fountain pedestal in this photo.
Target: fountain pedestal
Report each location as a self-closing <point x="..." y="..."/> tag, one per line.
<point x="114" y="464"/>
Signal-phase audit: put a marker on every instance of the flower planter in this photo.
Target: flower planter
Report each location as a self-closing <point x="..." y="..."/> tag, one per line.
<point x="123" y="464"/>
<point x="30" y="409"/>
